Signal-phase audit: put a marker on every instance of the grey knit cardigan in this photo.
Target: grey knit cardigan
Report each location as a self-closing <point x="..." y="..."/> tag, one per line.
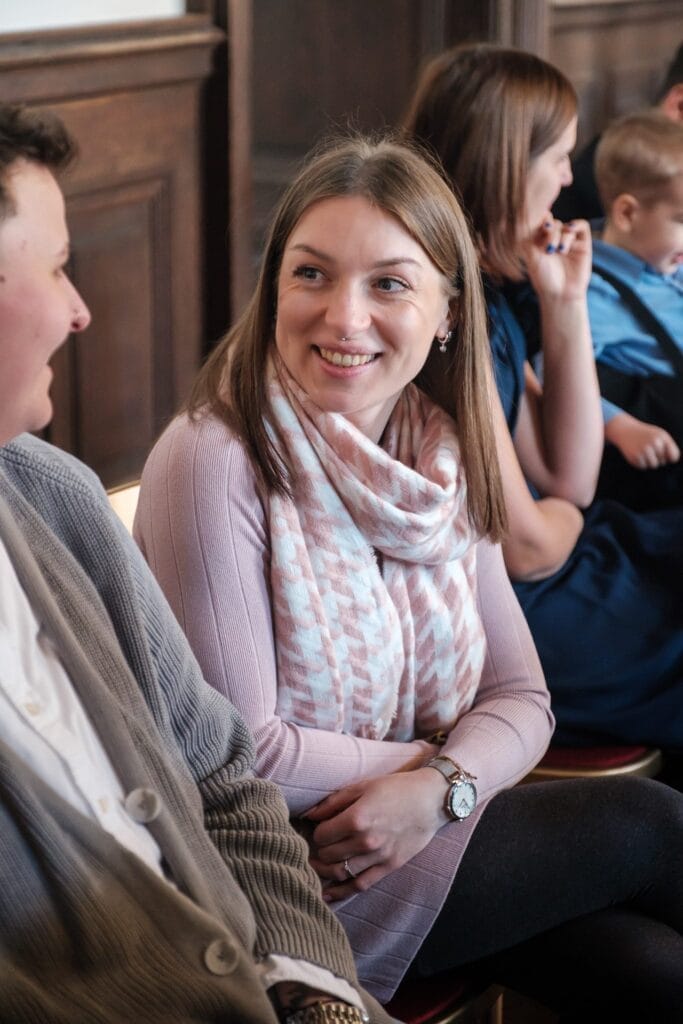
<point x="88" y="933"/>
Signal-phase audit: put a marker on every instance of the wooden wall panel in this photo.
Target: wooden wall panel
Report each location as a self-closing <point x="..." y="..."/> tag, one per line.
<point x="116" y="233"/>
<point x="141" y="224"/>
<point x="615" y="53"/>
<point x="321" y="65"/>
<point x="302" y="68"/>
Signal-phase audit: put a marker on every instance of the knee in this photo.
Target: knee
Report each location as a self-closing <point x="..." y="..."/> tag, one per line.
<point x="644" y="808"/>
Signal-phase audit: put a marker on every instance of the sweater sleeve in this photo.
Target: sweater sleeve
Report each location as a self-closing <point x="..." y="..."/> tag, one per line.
<point x="508" y="729"/>
<point x="202" y="527"/>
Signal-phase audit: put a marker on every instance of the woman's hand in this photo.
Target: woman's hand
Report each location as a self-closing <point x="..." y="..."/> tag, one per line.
<point x="375" y="826"/>
<point x="560" y="432"/>
<point x="643" y="445"/>
<point x="558" y="259"/>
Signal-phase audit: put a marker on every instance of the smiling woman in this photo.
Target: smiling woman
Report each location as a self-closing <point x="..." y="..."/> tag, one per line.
<point x="322" y="521"/>
<point x="355" y="325"/>
<point x="406" y="196"/>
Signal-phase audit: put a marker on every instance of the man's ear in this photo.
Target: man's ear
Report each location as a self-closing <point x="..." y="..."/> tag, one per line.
<point x="623" y="212"/>
<point x="672" y="104"/>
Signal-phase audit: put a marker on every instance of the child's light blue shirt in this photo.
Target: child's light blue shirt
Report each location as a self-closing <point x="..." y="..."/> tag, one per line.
<point x="619" y="340"/>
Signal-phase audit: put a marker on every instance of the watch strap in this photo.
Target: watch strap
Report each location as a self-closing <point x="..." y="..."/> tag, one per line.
<point x="328" y="1013"/>
<point x="451" y="771"/>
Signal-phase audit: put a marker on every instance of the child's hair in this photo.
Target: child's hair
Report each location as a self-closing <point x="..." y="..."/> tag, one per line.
<point x="640" y="154"/>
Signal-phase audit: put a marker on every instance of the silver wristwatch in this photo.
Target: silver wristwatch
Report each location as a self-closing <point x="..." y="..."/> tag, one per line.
<point x="461" y="795"/>
<point x="328" y="1013"/>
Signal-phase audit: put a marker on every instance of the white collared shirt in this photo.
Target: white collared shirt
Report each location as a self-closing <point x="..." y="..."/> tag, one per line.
<point x="42" y="719"/>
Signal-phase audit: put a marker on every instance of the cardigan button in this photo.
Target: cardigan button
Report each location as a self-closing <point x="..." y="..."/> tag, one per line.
<point x="221" y="956"/>
<point x="143" y="805"/>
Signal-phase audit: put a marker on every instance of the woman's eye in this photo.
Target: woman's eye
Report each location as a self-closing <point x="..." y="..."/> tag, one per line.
<point x="308" y="273"/>
<point x="391" y="284"/>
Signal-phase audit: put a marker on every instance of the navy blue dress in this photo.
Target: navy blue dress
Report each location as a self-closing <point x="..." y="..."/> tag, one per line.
<point x="609" y="624"/>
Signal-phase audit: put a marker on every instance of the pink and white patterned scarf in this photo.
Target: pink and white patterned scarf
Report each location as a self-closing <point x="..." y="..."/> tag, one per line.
<point x="373" y="571"/>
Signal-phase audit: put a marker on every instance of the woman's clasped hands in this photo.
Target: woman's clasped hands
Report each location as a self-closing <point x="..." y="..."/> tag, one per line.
<point x="370" y="828"/>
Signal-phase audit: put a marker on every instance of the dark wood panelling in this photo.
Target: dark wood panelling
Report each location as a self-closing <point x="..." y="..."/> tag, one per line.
<point x="320" y="65"/>
<point x="236" y="17"/>
<point x="141" y="222"/>
<point x="301" y="69"/>
<point x="615" y="53"/>
<point x="520" y="23"/>
<point x="114" y="392"/>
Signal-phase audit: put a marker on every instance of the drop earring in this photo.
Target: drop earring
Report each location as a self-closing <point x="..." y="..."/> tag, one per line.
<point x="443" y="342"/>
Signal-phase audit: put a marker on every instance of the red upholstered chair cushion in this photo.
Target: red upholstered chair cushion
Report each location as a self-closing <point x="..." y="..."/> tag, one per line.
<point x="587" y="758"/>
<point x="596" y="762"/>
<point x="421" y="1000"/>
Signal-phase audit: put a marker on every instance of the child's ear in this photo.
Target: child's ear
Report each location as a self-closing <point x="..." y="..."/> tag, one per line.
<point x="672" y="104"/>
<point x="624" y="212"/>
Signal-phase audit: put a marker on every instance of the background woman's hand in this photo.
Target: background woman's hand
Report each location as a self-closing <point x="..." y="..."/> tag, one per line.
<point x="376" y="826"/>
<point x="558" y="259"/>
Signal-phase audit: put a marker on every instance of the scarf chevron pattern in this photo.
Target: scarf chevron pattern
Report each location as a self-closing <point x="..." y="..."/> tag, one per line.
<point x="372" y="571"/>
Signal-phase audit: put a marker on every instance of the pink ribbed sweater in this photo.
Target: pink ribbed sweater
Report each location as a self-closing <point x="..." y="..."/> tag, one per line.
<point x="202" y="526"/>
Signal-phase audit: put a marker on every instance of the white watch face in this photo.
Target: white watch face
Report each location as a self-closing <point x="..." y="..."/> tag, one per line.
<point x="462" y="799"/>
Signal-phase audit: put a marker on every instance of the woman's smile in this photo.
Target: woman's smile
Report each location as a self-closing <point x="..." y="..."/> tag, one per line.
<point x="347" y="360"/>
<point x="359" y="305"/>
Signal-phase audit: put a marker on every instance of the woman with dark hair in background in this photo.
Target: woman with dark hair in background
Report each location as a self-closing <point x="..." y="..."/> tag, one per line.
<point x="601" y="593"/>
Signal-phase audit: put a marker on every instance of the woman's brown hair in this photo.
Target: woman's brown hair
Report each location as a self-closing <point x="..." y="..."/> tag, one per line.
<point x="486" y="112"/>
<point x="399" y="180"/>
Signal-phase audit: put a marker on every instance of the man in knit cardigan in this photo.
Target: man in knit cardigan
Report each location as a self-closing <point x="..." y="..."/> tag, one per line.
<point x="146" y="874"/>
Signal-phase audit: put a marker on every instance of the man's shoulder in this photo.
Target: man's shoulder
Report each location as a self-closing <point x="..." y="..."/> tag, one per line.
<point x="66" y="494"/>
<point x="28" y="457"/>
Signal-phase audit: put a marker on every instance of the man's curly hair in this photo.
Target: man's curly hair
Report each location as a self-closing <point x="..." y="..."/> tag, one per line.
<point x="30" y="135"/>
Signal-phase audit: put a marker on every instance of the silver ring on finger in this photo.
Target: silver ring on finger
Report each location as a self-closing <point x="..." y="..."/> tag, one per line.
<point x="347" y="869"/>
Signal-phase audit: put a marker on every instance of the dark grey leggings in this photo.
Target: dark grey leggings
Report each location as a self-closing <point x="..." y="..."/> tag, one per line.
<point x="572" y="892"/>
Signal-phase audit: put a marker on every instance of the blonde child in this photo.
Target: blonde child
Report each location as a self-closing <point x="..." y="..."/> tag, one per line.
<point x="635" y="302"/>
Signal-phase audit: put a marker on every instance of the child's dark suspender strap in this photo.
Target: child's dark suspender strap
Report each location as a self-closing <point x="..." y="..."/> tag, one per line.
<point x="646" y="318"/>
